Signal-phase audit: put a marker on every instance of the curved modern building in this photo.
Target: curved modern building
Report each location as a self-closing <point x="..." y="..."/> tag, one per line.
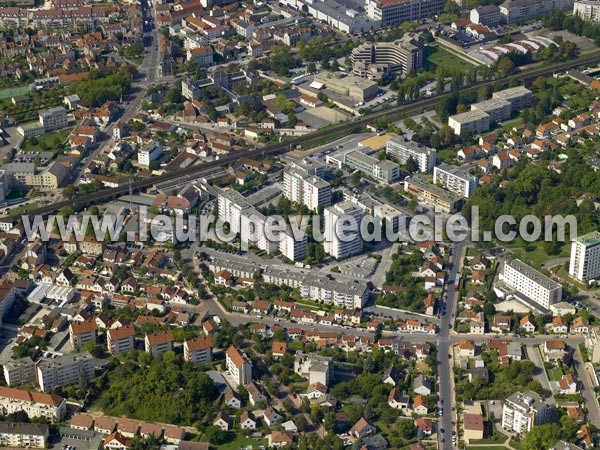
<point x="377" y="60"/>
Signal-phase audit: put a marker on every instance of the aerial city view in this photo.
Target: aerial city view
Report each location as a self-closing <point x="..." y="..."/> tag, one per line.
<point x="300" y="224"/>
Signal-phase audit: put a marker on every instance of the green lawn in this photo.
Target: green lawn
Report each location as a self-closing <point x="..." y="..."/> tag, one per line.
<point x="533" y="252"/>
<point x="434" y="56"/>
<point x="46" y="142"/>
<point x="24" y="208"/>
<point x="555" y="374"/>
<point x="486" y="447"/>
<point x="509" y="124"/>
<point x="497" y="438"/>
<point x="243" y="442"/>
<point x="14" y="91"/>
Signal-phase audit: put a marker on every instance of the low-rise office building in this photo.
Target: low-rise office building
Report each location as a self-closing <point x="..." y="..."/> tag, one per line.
<point x="445" y="200"/>
<point x="356" y="88"/>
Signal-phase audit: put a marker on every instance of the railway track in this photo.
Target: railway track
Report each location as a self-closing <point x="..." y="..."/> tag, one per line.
<point x="274" y="149"/>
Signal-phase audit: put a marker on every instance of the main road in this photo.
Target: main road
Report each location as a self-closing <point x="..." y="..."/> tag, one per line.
<point x="444" y="361"/>
<point x="348" y="127"/>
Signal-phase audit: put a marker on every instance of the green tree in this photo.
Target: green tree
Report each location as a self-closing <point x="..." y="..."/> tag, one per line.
<point x="541" y="437"/>
<point x="506" y="66"/>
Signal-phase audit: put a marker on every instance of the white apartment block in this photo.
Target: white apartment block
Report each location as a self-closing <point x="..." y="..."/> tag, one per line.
<point x="401" y="149"/>
<point x="81" y="333"/>
<point x="54" y="118"/>
<point x="318" y="369"/>
<point x="255" y="230"/>
<point x="120" y="340"/>
<point x="531" y="283"/>
<point x="292" y="248"/>
<point x="519" y="10"/>
<point x="343" y="294"/>
<point x="64" y="370"/>
<point x="342" y="230"/>
<point x="303" y="183"/>
<point x="245" y="220"/>
<point x="158" y="343"/>
<point x="35" y="404"/>
<point x="587" y="10"/>
<point x="386" y="171"/>
<point x="30" y="435"/>
<point x="198" y="350"/>
<point x="19" y="371"/>
<point x="230" y="206"/>
<point x="148" y="153"/>
<point x="393" y="12"/>
<point x="523" y="410"/>
<point x="519" y="97"/>
<point x="585" y="257"/>
<point x="238" y="366"/>
<point x="474" y="121"/>
<point x="454" y="179"/>
<point x="498" y="109"/>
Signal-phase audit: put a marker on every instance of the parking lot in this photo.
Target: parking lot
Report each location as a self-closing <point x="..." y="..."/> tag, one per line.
<point x="32" y="156"/>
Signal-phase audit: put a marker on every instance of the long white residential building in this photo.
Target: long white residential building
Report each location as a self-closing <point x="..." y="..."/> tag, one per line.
<point x="360" y="159"/>
<point x="585" y="257"/>
<point x="29" y="435"/>
<point x="35" y="404"/>
<point x="342" y="230"/>
<point x="64" y="370"/>
<point x="394" y="12"/>
<point x="474" y="121"/>
<point x="530" y="283"/>
<point x="341" y="293"/>
<point x="455" y="179"/>
<point x="587" y="9"/>
<point x="402" y="150"/>
<point x="519" y="10"/>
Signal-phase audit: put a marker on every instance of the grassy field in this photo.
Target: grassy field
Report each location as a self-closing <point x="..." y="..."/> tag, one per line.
<point x="555" y="374"/>
<point x="533" y="252"/>
<point x="11" y="92"/>
<point x="486" y="447"/>
<point x="508" y="124"/>
<point x="243" y="442"/>
<point x="434" y="56"/>
<point x="46" y="142"/>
